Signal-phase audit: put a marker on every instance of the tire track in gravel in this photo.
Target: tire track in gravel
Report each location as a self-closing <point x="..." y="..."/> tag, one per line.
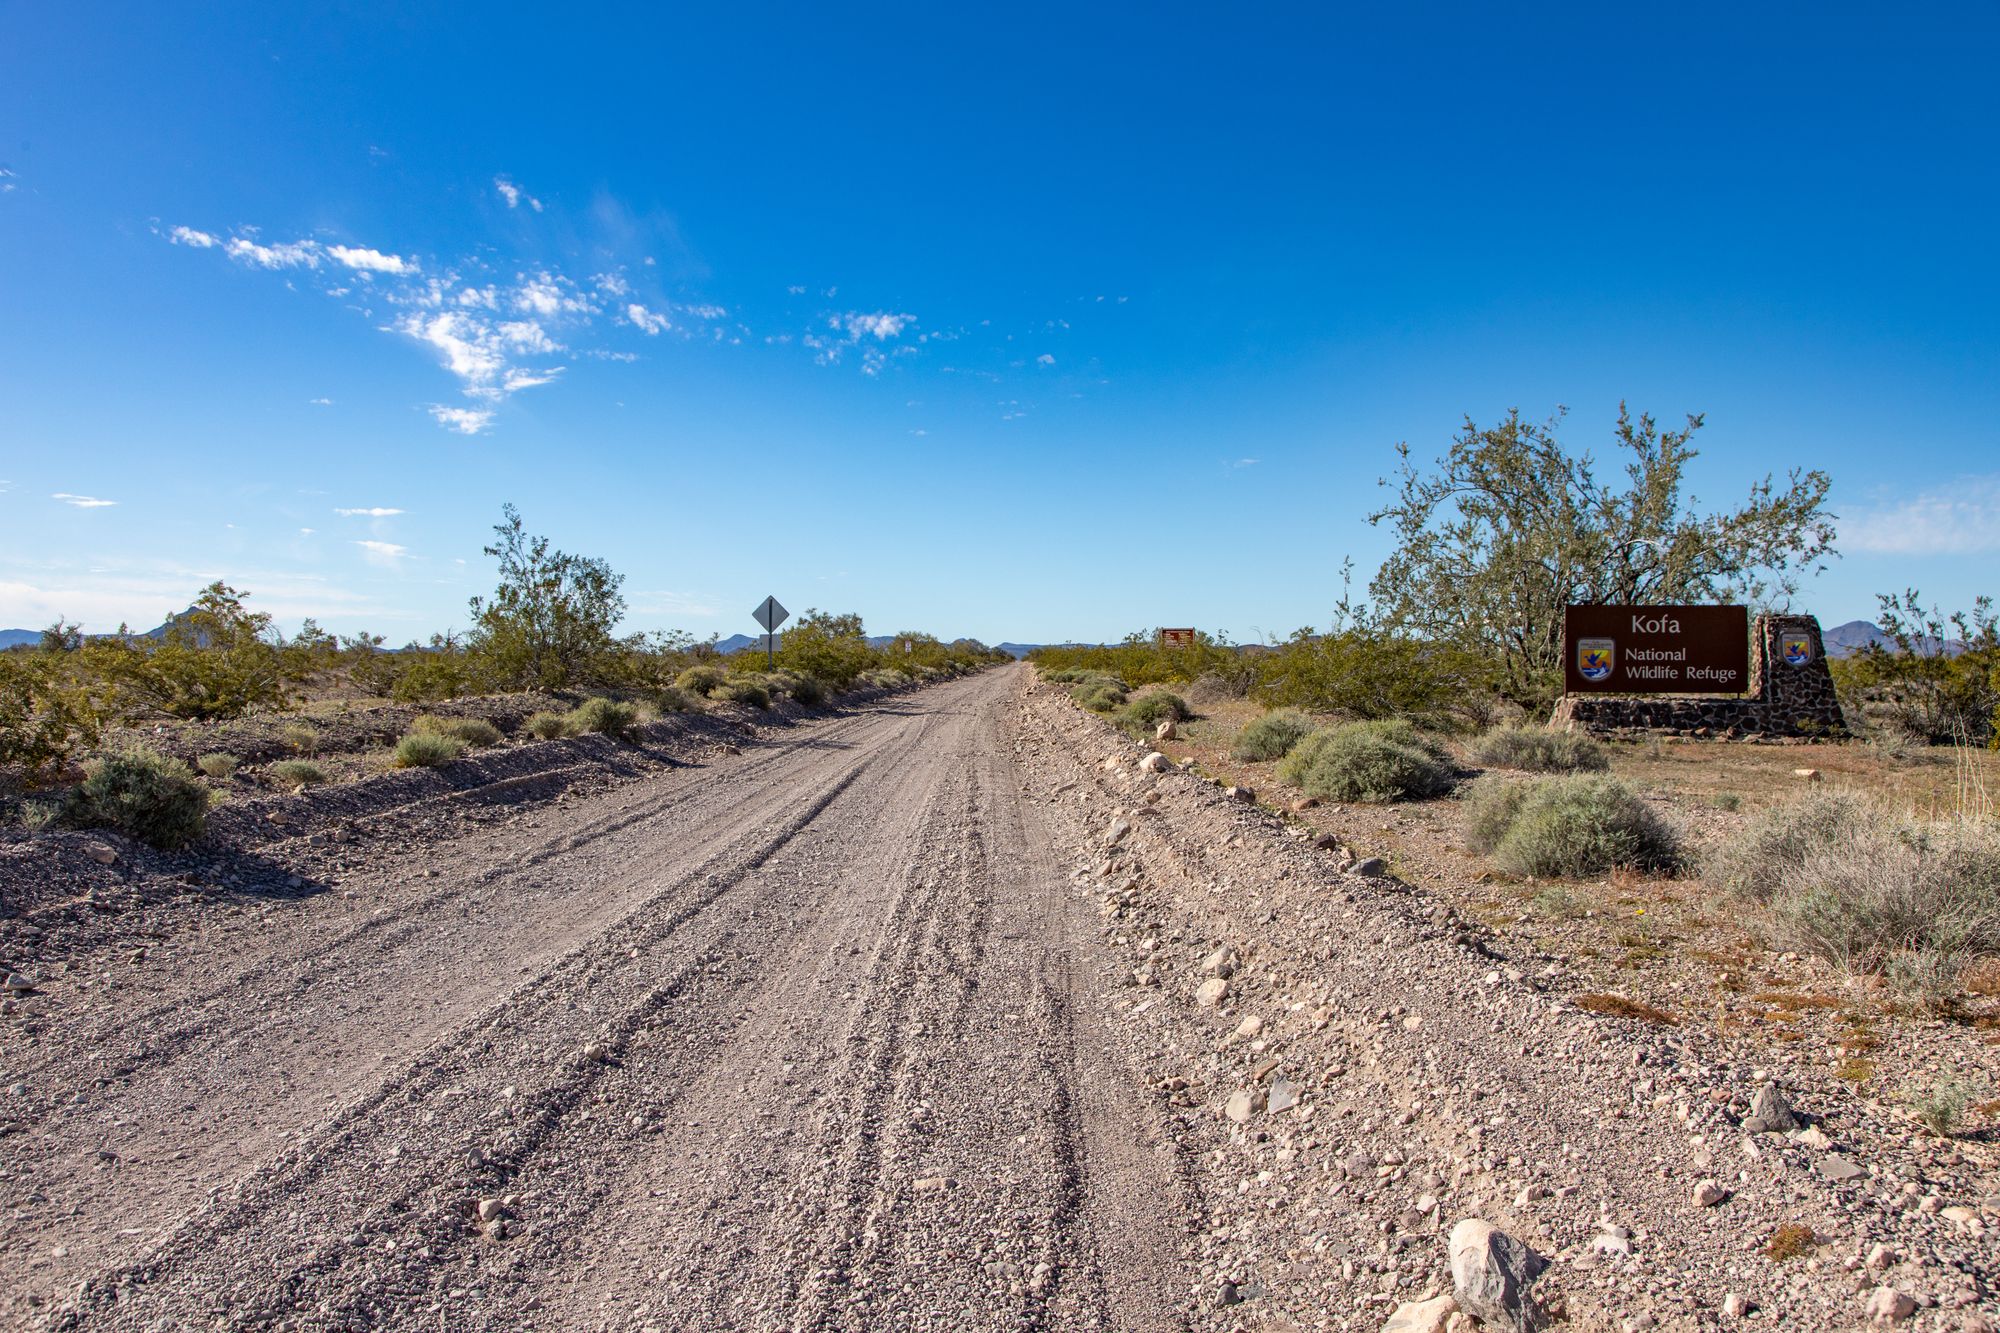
<point x="301" y="1040"/>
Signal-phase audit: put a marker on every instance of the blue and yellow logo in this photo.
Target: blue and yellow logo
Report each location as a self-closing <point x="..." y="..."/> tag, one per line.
<point x="1798" y="650"/>
<point x="1594" y="659"/>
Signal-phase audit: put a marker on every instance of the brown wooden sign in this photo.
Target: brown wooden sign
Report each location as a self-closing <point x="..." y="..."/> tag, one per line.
<point x="1177" y="638"/>
<point x="1656" y="650"/>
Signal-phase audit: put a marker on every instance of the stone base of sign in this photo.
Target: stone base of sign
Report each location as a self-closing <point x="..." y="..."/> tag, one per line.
<point x="1785" y="702"/>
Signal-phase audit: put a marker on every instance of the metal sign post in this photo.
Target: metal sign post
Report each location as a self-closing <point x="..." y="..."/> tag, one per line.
<point x="771" y="615"/>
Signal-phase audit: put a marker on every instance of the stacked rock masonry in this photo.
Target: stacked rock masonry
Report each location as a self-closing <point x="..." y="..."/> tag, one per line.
<point x="1789" y="698"/>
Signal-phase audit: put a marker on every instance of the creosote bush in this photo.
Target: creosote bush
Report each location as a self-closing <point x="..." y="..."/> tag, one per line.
<point x="546" y="726"/>
<point x="219" y="766"/>
<point x="700" y="680"/>
<point x="606" y="717"/>
<point x="1380" y="761"/>
<point x="1540" y="750"/>
<point x="1271" y="736"/>
<point x="296" y="773"/>
<point x="427" y="749"/>
<point x="1566" y="827"/>
<point x="473" y="731"/>
<point x="1149" y="710"/>
<point x="143" y="795"/>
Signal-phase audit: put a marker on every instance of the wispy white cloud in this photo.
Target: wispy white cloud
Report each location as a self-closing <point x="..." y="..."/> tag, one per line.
<point x="319" y="402"/>
<point x="646" y="321"/>
<point x="291" y="254"/>
<point x="200" y="240"/>
<point x="464" y="420"/>
<point x="373" y="261"/>
<point x="1960" y="519"/>
<point x="377" y="511"/>
<point x="7" y="181"/>
<point x="1246" y="462"/>
<point x="82" y="501"/>
<point x="661" y="602"/>
<point x="515" y="195"/>
<point x="384" y="554"/>
<point x="1045" y="360"/>
<point x="879" y="324"/>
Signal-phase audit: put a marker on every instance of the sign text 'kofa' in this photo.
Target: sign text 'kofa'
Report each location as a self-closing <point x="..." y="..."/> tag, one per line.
<point x="1656" y="650"/>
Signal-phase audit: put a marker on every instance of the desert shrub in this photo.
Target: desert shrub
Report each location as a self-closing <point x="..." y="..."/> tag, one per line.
<point x="1540" y="750"/>
<point x="473" y="731"/>
<point x="431" y="677"/>
<point x="219" y="766"/>
<point x="1388" y="760"/>
<point x="807" y="692"/>
<point x="1726" y="800"/>
<point x="36" y="816"/>
<point x="670" y="700"/>
<point x="700" y="680"/>
<point x="143" y="795"/>
<point x="546" y="726"/>
<point x="1149" y="710"/>
<point x="300" y="738"/>
<point x="743" y="690"/>
<point x="427" y="749"/>
<point x="52" y="707"/>
<point x="882" y="678"/>
<point x="1100" y="696"/>
<point x="1371" y="673"/>
<point x="606" y="717"/>
<point x="1756" y="862"/>
<point x="1271" y="736"/>
<point x="1912" y="902"/>
<point x="1565" y="827"/>
<point x="215" y="660"/>
<point x="1941" y="1107"/>
<point x="296" y="773"/>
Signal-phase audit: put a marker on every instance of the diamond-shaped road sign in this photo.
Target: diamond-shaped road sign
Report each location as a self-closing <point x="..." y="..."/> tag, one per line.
<point x="771" y="614"/>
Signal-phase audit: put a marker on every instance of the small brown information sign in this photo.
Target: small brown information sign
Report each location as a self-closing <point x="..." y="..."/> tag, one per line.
<point x="1656" y="650"/>
<point x="1176" y="638"/>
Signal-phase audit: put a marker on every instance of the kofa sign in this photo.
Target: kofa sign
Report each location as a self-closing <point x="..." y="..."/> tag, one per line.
<point x="1177" y="638"/>
<point x="1660" y="650"/>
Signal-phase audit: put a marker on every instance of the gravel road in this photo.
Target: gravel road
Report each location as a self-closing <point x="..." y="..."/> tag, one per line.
<point x="902" y="1018"/>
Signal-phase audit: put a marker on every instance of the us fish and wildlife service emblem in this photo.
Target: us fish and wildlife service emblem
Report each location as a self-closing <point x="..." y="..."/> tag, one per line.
<point x="1594" y="658"/>
<point x="1798" y="650"/>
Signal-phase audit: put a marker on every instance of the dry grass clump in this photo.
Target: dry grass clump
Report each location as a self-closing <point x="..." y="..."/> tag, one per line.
<point x="1941" y="1107"/>
<point x="296" y="773"/>
<point x="700" y="680"/>
<point x="606" y="717"/>
<point x="301" y="738"/>
<point x="1618" y="1006"/>
<point x="1915" y="902"/>
<point x="476" y="732"/>
<point x="219" y="766"/>
<point x="427" y="749"/>
<point x="1379" y="761"/>
<point x="1271" y="736"/>
<point x="1567" y="827"/>
<point x="546" y="726"/>
<point x="1540" y="750"/>
<point x="1791" y="1240"/>
<point x="1149" y="710"/>
<point x="143" y="795"/>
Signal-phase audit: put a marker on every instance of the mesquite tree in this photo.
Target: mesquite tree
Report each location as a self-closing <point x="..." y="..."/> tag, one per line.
<point x="1509" y="528"/>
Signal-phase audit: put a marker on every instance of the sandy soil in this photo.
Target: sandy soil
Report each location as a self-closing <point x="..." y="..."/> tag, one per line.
<point x="890" y="1019"/>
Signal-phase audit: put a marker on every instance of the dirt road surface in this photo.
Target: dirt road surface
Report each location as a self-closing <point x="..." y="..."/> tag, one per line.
<point x="890" y="1021"/>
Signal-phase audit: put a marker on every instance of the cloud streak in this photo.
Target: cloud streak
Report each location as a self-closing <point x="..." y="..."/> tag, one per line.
<point x="1962" y="519"/>
<point x="82" y="501"/>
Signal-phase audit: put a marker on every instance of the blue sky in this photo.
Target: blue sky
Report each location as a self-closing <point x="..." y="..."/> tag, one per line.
<point x="1028" y="323"/>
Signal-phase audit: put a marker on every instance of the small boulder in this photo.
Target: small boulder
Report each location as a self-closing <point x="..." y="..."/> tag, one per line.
<point x="1886" y="1305"/>
<point x="1166" y="731"/>
<point x="1211" y="992"/>
<point x="1245" y="794"/>
<point x="102" y="853"/>
<point x="1221" y="963"/>
<point x="1734" y="1306"/>
<point x="1432" y="1316"/>
<point x="488" y="1209"/>
<point x="1770" y="1113"/>
<point x="1708" y="1193"/>
<point x="1806" y="774"/>
<point x="1116" y="833"/>
<point x="1490" y="1276"/>
<point x="1244" y="1103"/>
<point x="1155" y="763"/>
<point x="1371" y="866"/>
<point x="1284" y="1096"/>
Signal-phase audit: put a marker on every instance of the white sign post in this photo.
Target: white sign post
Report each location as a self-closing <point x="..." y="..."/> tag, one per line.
<point x="771" y="615"/>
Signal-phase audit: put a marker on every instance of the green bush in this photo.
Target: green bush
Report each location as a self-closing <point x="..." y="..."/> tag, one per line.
<point x="1149" y="710"/>
<point x="1540" y="750"/>
<point x="700" y="680"/>
<point x="143" y="795"/>
<point x="473" y="731"/>
<point x="1757" y="862"/>
<point x="1566" y="827"/>
<point x="743" y="690"/>
<point x="606" y="717"/>
<point x="807" y="692"/>
<point x="300" y="738"/>
<point x="546" y="726"/>
<point x="670" y="700"/>
<point x="1271" y="736"/>
<point x="1381" y="761"/>
<point x="219" y="766"/>
<point x="427" y="749"/>
<point x="1100" y="696"/>
<point x="296" y="773"/>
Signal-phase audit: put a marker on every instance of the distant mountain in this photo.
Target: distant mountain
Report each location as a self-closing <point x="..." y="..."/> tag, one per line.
<point x="14" y="638"/>
<point x="1853" y="637"/>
